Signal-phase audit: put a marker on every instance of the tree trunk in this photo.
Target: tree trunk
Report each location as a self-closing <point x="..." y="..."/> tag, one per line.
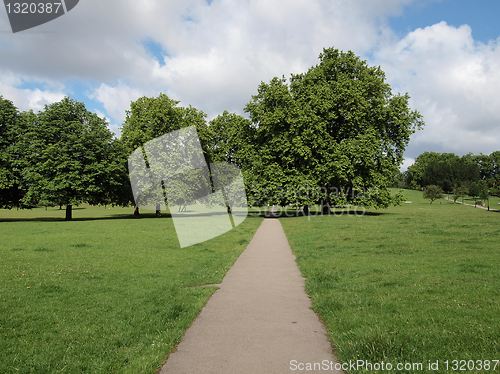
<point x="306" y="210"/>
<point x="136" y="210"/>
<point x="326" y="209"/>
<point x="158" y="212"/>
<point x="325" y="206"/>
<point x="68" y="213"/>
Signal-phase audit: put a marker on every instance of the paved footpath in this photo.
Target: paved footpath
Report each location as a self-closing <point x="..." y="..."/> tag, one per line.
<point x="259" y="320"/>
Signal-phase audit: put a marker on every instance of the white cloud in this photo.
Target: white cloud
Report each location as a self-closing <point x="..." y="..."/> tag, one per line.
<point x="116" y="99"/>
<point x="233" y="46"/>
<point x="23" y="98"/>
<point x="454" y="83"/>
<point x="219" y="53"/>
<point x="406" y="163"/>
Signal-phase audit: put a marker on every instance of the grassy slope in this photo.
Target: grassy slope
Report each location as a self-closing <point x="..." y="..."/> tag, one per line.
<point x="105" y="295"/>
<point x="409" y="284"/>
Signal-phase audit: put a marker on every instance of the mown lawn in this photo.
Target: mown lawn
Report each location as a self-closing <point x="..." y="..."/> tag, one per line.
<point x="105" y="293"/>
<point x="411" y="284"/>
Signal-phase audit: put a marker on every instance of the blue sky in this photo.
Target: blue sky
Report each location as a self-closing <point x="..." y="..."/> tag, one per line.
<point x="155" y="49"/>
<point x="213" y="55"/>
<point x="480" y="15"/>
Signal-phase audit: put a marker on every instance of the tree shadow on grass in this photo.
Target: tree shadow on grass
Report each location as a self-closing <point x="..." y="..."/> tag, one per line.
<point x="107" y="218"/>
<point x="300" y="213"/>
<point x="252" y="213"/>
<point x="79" y="219"/>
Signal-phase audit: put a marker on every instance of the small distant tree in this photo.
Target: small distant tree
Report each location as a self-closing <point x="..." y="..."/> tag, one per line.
<point x="483" y="192"/>
<point x="474" y="191"/>
<point x="459" y="191"/>
<point x="433" y="192"/>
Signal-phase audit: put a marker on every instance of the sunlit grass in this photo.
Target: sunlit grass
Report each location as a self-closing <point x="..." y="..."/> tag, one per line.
<point x="105" y="293"/>
<point x="412" y="283"/>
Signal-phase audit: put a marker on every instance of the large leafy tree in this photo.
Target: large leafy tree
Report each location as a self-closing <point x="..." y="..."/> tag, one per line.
<point x="495" y="160"/>
<point x="67" y="156"/>
<point x="10" y="185"/>
<point x="416" y="175"/>
<point x="331" y="135"/>
<point x="152" y="117"/>
<point x="231" y="140"/>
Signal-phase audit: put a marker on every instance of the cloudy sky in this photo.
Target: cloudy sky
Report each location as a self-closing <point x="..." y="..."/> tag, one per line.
<point x="213" y="54"/>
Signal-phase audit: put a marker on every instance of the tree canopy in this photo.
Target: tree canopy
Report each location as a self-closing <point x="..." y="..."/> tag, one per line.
<point x="152" y="117"/>
<point x="474" y="189"/>
<point x="446" y="170"/>
<point x="449" y="171"/>
<point x="231" y="140"/>
<point x="433" y="192"/>
<point x="10" y="188"/>
<point x="67" y="156"/>
<point x="332" y="135"/>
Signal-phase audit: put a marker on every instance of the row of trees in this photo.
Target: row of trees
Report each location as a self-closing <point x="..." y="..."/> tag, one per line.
<point x="453" y="174"/>
<point x="61" y="156"/>
<point x="433" y="192"/>
<point x="326" y="136"/>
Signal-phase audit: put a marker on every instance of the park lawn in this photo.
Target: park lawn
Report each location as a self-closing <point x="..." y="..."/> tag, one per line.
<point x="104" y="293"/>
<point x="408" y="284"/>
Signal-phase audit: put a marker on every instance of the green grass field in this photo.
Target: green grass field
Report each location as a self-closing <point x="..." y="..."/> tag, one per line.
<point x="411" y="284"/>
<point x="105" y="293"/>
<point x="110" y="293"/>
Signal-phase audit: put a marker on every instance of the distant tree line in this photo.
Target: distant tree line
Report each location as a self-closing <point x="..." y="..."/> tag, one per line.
<point x="467" y="175"/>
<point x="324" y="136"/>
